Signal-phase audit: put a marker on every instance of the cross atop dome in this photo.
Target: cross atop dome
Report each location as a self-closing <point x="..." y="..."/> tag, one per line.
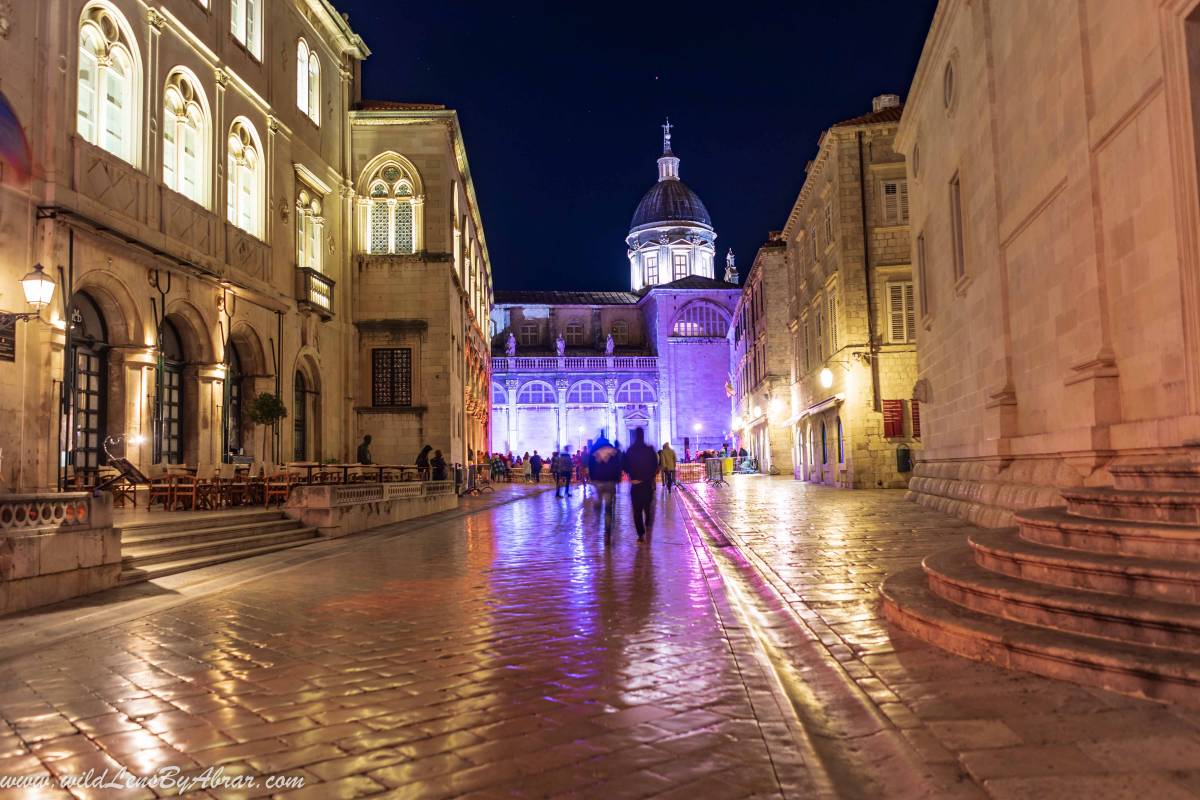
<point x="667" y="137"/>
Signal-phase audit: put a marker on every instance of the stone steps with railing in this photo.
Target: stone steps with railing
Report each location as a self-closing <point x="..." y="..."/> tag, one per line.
<point x="1104" y="591"/>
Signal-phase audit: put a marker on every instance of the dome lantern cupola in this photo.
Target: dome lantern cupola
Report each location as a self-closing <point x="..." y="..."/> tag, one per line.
<point x="671" y="234"/>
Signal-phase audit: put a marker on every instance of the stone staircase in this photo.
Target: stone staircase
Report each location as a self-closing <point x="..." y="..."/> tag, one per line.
<point x="1104" y="591"/>
<point x="177" y="543"/>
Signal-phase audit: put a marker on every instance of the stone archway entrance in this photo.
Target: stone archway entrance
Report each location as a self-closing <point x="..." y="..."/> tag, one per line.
<point x="87" y="427"/>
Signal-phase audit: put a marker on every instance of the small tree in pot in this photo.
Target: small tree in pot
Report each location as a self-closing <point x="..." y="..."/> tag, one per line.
<point x="266" y="409"/>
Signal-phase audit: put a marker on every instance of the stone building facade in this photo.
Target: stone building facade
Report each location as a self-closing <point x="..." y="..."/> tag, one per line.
<point x="1057" y="273"/>
<point x="761" y="360"/>
<point x="195" y="195"/>
<point x="557" y="382"/>
<point x="851" y="308"/>
<point x="429" y="299"/>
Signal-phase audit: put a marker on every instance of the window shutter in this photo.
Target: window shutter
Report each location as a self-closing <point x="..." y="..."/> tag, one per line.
<point x="915" y="410"/>
<point x="910" y="315"/>
<point x="904" y="201"/>
<point x="893" y="419"/>
<point x="831" y="312"/>
<point x="891" y="202"/>
<point x="896" y="311"/>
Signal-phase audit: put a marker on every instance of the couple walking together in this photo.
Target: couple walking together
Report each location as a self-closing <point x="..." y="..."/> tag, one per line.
<point x="641" y="463"/>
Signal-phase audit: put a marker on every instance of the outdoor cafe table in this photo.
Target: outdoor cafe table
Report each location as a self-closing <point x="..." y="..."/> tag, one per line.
<point x="308" y="466"/>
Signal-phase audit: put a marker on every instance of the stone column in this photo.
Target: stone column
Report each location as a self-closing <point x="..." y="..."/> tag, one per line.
<point x="133" y="371"/>
<point x="511" y="385"/>
<point x="610" y="388"/>
<point x="210" y="401"/>
<point x="562" y="384"/>
<point x="154" y="107"/>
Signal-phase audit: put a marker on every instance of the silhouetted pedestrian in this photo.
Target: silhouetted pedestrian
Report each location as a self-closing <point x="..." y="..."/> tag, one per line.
<point x="641" y="462"/>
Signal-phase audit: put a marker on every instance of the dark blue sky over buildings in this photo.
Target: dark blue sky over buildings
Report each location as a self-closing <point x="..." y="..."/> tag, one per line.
<point x="561" y="105"/>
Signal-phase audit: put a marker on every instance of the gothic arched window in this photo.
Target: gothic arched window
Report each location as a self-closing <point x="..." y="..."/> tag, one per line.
<point x="391" y="218"/>
<point x="185" y="138"/>
<point x="308" y="82"/>
<point x="108" y="85"/>
<point x="701" y="320"/>
<point x="244" y="178"/>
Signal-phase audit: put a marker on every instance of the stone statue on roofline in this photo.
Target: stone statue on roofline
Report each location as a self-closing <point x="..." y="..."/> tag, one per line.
<point x="560" y="345"/>
<point x="510" y="347"/>
<point x="609" y="346"/>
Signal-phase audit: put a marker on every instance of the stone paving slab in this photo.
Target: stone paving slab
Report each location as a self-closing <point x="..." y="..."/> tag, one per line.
<point x="826" y="551"/>
<point x="500" y="651"/>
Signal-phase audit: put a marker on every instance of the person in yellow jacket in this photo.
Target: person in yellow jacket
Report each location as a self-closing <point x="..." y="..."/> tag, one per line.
<point x="666" y="465"/>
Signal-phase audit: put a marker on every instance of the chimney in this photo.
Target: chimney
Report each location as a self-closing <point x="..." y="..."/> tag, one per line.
<point x="885" y="101"/>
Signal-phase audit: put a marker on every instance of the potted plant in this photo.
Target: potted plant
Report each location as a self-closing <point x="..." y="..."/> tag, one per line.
<point x="266" y="409"/>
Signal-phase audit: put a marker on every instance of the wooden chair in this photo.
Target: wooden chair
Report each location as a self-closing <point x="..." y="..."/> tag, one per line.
<point x="162" y="490"/>
<point x="121" y="487"/>
<point x="192" y="493"/>
<point x="276" y="488"/>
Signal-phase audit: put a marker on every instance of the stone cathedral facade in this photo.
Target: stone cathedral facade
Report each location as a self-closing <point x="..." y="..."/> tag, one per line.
<point x="568" y="365"/>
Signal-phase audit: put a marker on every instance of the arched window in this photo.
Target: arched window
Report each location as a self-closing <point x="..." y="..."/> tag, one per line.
<point x="244" y="178"/>
<point x="587" y="393"/>
<point x="573" y="333"/>
<point x="390" y="211"/>
<point x="499" y="396"/>
<point x="185" y="138"/>
<point x="246" y="23"/>
<point x="108" y="85"/>
<point x="840" y="443"/>
<point x="537" y="393"/>
<point x="308" y="82"/>
<point x="824" y="445"/>
<point x="635" y="391"/>
<point x="309" y="224"/>
<point x="620" y="332"/>
<point x="701" y="320"/>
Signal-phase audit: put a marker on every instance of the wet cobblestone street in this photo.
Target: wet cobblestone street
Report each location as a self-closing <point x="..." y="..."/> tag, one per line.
<point x="978" y="729"/>
<point x="507" y="653"/>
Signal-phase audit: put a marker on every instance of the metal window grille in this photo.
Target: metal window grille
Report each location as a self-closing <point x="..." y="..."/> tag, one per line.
<point x="391" y="376"/>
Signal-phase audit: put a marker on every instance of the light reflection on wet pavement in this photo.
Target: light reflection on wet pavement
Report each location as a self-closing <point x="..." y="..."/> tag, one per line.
<point x="510" y="653"/>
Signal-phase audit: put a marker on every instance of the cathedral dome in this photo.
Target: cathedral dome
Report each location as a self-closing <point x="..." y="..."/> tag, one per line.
<point x="669" y="201"/>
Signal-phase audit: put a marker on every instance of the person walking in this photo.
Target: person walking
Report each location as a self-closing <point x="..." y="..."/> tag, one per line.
<point x="604" y="471"/>
<point x="666" y="463"/>
<point x="562" y="468"/>
<point x="535" y="467"/>
<point x="364" y="450"/>
<point x="526" y="471"/>
<point x="423" y="461"/>
<point x="641" y="462"/>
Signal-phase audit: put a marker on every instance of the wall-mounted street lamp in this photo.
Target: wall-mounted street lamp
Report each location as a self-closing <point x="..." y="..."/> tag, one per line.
<point x="826" y="378"/>
<point x="39" y="291"/>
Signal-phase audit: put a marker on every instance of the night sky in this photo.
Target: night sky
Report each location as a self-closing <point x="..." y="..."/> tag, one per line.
<point x="561" y="105"/>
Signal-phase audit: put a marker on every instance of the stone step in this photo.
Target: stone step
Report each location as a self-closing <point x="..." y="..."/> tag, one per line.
<point x="1177" y="508"/>
<point x="149" y="572"/>
<point x="1056" y="527"/>
<point x="142" y="556"/>
<point x="1005" y="552"/>
<point x="955" y="576"/>
<point x="189" y="536"/>
<point x="1162" y="476"/>
<point x="171" y="521"/>
<point x="1148" y="672"/>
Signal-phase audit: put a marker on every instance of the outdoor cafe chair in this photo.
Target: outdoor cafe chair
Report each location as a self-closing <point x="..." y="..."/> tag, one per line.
<point x="162" y="490"/>
<point x="276" y="488"/>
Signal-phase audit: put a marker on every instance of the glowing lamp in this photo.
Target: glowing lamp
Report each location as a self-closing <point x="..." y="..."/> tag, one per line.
<point x="38" y="288"/>
<point x="757" y="411"/>
<point x="775" y="406"/>
<point x="696" y="427"/>
<point x="137" y="440"/>
<point x="826" y="377"/>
